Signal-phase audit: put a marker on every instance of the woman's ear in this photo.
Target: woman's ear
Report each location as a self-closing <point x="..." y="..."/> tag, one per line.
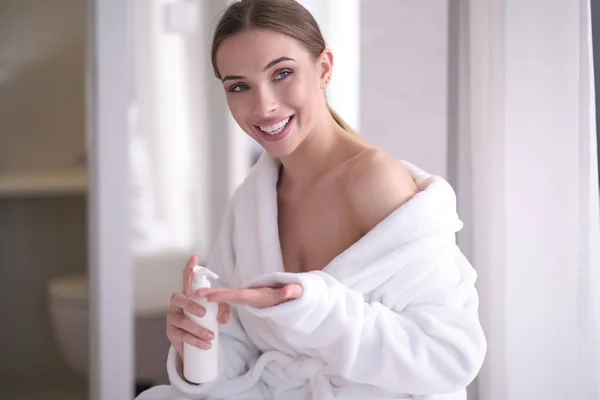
<point x="325" y="65"/>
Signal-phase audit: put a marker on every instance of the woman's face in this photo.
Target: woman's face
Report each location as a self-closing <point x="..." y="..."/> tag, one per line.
<point x="274" y="88"/>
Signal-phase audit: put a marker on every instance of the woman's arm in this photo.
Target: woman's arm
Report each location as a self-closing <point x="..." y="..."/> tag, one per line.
<point x="433" y="345"/>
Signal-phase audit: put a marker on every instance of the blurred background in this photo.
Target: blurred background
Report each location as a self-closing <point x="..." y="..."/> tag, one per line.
<point x="118" y="155"/>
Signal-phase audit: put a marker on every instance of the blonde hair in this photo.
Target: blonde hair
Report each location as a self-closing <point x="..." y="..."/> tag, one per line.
<point x="341" y="122"/>
<point x="284" y="16"/>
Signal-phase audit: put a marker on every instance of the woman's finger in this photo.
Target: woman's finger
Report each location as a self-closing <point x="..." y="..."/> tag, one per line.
<point x="219" y="295"/>
<point x="255" y="297"/>
<point x="182" y="303"/>
<point x="223" y="313"/>
<point x="184" y="323"/>
<point x="291" y="291"/>
<point x="174" y="335"/>
<point x="183" y="336"/>
<point x="188" y="275"/>
<point x="259" y="297"/>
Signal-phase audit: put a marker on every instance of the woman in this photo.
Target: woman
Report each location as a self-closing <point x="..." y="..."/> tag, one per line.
<point x="340" y="274"/>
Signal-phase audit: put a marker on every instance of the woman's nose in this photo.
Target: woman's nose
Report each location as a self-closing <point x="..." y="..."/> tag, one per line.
<point x="265" y="102"/>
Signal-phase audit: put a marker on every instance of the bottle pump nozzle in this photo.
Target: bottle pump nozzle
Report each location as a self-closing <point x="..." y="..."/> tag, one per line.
<point x="201" y="275"/>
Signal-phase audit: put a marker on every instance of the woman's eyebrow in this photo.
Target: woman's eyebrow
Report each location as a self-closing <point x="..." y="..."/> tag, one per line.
<point x="232" y="77"/>
<point x="277" y="61"/>
<point x="269" y="65"/>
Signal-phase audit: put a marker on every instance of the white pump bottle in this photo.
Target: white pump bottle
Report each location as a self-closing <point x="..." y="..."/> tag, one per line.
<point x="202" y="366"/>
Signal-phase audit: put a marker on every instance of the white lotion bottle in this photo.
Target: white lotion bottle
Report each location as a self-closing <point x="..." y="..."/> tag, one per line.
<point x="202" y="366"/>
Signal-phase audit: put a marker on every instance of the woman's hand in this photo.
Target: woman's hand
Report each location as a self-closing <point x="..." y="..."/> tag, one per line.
<point x="181" y="329"/>
<point x="259" y="297"/>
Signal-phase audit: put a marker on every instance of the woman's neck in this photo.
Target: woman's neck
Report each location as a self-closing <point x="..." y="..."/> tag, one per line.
<point x="322" y="150"/>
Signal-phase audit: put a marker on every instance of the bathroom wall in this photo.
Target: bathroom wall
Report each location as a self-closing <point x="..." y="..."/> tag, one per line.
<point x="41" y="83"/>
<point x="39" y="239"/>
<point x="41" y="126"/>
<point x="404" y="79"/>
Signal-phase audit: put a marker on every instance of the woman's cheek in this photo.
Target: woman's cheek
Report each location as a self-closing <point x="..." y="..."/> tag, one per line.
<point x="298" y="92"/>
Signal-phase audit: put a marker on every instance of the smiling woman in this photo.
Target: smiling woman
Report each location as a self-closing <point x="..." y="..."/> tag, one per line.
<point x="303" y="39"/>
<point x="340" y="274"/>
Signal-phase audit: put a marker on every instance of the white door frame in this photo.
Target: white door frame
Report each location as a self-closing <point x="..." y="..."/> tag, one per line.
<point x="111" y="371"/>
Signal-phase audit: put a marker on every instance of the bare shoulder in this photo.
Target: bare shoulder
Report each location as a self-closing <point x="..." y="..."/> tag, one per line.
<point x="377" y="185"/>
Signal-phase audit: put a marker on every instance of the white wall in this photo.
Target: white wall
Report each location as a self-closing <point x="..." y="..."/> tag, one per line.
<point x="404" y="79"/>
<point x="339" y="21"/>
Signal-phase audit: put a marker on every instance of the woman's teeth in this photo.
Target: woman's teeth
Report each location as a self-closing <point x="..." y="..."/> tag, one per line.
<point x="275" y="129"/>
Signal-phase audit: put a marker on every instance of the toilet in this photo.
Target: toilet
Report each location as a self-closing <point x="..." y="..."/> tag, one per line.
<point x="156" y="277"/>
<point x="69" y="315"/>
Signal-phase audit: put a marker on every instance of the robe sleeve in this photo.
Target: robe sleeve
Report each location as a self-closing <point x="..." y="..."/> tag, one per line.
<point x="419" y="336"/>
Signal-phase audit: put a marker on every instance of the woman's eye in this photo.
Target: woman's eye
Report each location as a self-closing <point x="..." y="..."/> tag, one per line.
<point x="282" y="75"/>
<point x="239" y="88"/>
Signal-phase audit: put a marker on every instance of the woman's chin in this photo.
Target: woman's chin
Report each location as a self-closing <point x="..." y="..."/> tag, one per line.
<point x="282" y="148"/>
<point x="278" y="150"/>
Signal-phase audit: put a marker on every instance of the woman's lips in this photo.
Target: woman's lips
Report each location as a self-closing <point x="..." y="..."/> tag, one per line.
<point x="278" y="136"/>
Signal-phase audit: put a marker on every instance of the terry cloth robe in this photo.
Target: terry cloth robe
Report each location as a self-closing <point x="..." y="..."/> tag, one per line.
<point x="395" y="316"/>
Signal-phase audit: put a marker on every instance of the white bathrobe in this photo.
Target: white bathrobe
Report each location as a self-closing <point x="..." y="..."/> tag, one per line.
<point x="392" y="317"/>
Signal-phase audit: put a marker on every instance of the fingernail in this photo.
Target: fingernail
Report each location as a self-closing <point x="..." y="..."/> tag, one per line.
<point x="211" y="336"/>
